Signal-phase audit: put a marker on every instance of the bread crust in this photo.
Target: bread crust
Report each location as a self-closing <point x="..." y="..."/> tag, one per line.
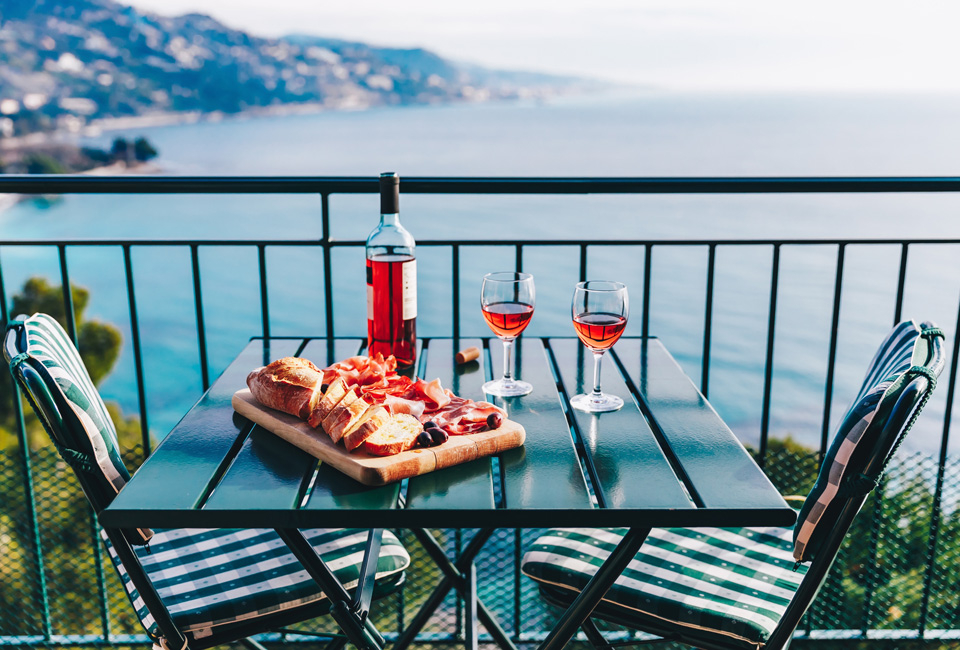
<point x="348" y="411"/>
<point x="374" y="418"/>
<point x="291" y="385"/>
<point x="336" y="391"/>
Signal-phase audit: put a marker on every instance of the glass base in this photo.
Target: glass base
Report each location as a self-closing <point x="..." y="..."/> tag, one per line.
<point x="591" y="403"/>
<point x="507" y="388"/>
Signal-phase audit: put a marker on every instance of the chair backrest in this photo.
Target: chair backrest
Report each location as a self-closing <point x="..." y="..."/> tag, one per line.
<point x="47" y="366"/>
<point x="898" y="384"/>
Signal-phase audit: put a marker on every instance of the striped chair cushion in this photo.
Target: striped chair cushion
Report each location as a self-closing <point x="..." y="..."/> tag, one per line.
<point x="729" y="583"/>
<point x="51" y="346"/>
<point x="855" y="441"/>
<point x="210" y="577"/>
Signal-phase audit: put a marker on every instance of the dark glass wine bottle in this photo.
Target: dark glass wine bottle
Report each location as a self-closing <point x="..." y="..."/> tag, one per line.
<point x="391" y="280"/>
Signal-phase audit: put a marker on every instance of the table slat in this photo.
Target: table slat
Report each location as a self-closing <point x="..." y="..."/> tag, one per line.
<point x="176" y="475"/>
<point x="464" y="487"/>
<point x="631" y="469"/>
<point x="269" y="472"/>
<point x="545" y="473"/>
<point x="720" y="470"/>
<point x="333" y="490"/>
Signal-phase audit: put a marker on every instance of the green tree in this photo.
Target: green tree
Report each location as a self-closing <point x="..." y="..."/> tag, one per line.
<point x="120" y="150"/>
<point x="40" y="163"/>
<point x="99" y="345"/>
<point x="143" y="150"/>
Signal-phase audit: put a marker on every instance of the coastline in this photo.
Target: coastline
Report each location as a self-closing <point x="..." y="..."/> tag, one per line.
<point x="119" y="168"/>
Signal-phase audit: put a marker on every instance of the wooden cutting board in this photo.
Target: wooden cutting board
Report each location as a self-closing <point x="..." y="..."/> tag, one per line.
<point x="378" y="470"/>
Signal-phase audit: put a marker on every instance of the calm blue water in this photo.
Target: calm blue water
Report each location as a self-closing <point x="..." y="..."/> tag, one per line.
<point x="615" y="135"/>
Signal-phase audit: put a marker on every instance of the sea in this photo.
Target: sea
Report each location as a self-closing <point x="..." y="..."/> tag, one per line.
<point x="614" y="133"/>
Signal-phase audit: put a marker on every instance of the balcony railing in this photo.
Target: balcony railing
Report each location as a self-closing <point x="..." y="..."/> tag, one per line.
<point x="896" y="578"/>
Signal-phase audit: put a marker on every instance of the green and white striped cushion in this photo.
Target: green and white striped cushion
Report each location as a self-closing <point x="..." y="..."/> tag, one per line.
<point x="210" y="577"/>
<point x="49" y="344"/>
<point x="856" y="439"/>
<point x="733" y="583"/>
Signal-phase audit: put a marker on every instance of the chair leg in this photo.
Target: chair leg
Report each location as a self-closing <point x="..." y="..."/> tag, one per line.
<point x="593" y="635"/>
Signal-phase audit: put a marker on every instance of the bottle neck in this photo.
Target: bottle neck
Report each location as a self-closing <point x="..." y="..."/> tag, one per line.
<point x="390" y="219"/>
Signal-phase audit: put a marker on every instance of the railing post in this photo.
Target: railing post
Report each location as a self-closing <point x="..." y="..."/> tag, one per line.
<point x="768" y="364"/>
<point x="137" y="352"/>
<point x="647" y="267"/>
<point x="327" y="264"/>
<point x="67" y="294"/>
<point x="264" y="295"/>
<point x="901" y="281"/>
<point x="831" y="364"/>
<point x="455" y="263"/>
<point x="708" y="321"/>
<point x="198" y="307"/>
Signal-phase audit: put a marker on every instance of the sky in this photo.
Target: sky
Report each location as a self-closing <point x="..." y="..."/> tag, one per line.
<point x="829" y="45"/>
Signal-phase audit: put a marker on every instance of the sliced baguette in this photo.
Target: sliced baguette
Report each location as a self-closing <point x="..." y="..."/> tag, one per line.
<point x="344" y="414"/>
<point x="335" y="392"/>
<point x="372" y="419"/>
<point x="397" y="435"/>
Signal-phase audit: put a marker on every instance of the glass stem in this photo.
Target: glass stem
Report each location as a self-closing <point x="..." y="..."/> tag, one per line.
<point x="597" y="356"/>
<point x="507" y="366"/>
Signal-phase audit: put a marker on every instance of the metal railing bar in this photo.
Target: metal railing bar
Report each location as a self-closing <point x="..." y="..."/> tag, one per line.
<point x="67" y="289"/>
<point x="583" y="261"/>
<point x="936" y="511"/>
<point x="708" y="321"/>
<point x="518" y="262"/>
<point x="768" y="364"/>
<point x="872" y="570"/>
<point x="455" y="274"/>
<point x="101" y="578"/>
<point x="264" y="295"/>
<point x="26" y="469"/>
<point x="832" y="358"/>
<point x="137" y="352"/>
<point x="489" y="242"/>
<point x="901" y="281"/>
<point x="84" y="184"/>
<point x="327" y="263"/>
<point x="647" y="269"/>
<point x="198" y="309"/>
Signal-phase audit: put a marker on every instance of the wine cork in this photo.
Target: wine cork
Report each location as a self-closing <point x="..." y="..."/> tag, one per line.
<point x="471" y="353"/>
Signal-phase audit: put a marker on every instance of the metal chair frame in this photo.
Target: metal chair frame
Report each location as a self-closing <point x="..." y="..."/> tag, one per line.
<point x="66" y="430"/>
<point x="900" y="416"/>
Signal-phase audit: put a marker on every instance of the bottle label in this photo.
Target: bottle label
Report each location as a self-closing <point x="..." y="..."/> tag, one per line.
<point x="409" y="290"/>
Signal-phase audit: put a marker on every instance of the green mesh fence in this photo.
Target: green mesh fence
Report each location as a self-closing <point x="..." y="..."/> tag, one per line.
<point x="893" y="573"/>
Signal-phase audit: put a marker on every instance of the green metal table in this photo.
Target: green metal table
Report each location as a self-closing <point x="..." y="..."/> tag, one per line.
<point x="665" y="459"/>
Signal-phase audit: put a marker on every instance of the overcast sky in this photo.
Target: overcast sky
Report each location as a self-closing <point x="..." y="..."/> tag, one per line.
<point x="683" y="44"/>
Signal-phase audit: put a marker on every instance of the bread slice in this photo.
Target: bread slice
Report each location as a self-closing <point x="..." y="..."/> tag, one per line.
<point x="397" y="435"/>
<point x="368" y="424"/>
<point x="344" y="415"/>
<point x="335" y="393"/>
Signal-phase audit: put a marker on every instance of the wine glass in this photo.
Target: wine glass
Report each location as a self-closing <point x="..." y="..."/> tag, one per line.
<point x="507" y="301"/>
<point x="600" y="310"/>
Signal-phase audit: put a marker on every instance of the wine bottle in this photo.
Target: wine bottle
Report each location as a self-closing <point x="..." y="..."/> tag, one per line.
<point x="391" y="280"/>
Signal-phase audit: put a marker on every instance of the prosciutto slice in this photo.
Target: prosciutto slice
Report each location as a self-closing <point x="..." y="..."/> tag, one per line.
<point x="379" y="384"/>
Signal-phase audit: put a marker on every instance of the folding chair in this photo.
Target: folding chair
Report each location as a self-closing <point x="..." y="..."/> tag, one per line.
<point x="735" y="588"/>
<point x="193" y="588"/>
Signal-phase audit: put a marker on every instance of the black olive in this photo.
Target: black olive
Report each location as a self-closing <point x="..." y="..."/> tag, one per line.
<point x="324" y="387"/>
<point x="424" y="439"/>
<point x="439" y="435"/>
<point x="430" y="425"/>
<point x="494" y="420"/>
